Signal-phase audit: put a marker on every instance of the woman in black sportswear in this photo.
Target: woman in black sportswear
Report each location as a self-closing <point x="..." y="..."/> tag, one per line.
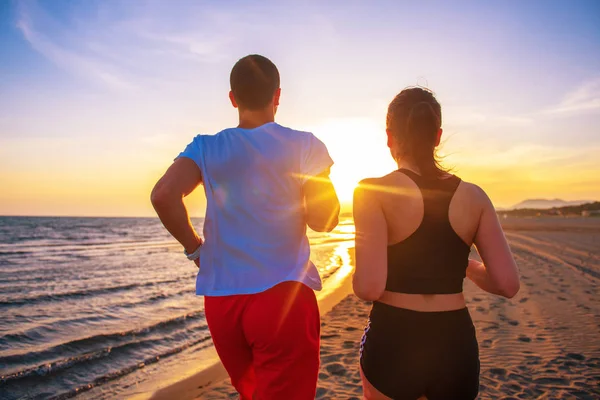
<point x="414" y="231"/>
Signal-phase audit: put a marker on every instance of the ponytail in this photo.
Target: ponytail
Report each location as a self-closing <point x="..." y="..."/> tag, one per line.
<point x="422" y="127"/>
<point x="414" y="118"/>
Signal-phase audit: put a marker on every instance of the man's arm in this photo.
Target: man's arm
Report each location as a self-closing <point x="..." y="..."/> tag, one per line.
<point x="182" y="177"/>
<point x="321" y="202"/>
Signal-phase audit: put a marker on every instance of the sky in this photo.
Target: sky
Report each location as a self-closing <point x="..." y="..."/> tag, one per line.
<point x="98" y="97"/>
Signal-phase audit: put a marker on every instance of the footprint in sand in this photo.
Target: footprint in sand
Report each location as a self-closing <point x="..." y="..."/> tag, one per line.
<point x="551" y="380"/>
<point x="498" y="371"/>
<point x="336" y="369"/>
<point x="561" y="298"/>
<point x="533" y="360"/>
<point x="348" y="344"/>
<point x="510" y="387"/>
<point x="514" y="377"/>
<point x="333" y="336"/>
<point x="576" y="356"/>
<point x="513" y="322"/>
<point x="491" y="327"/>
<point x="524" y="338"/>
<point x="331" y="358"/>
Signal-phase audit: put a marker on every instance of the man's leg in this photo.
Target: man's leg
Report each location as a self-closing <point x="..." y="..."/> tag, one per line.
<point x="224" y="318"/>
<point x="282" y="325"/>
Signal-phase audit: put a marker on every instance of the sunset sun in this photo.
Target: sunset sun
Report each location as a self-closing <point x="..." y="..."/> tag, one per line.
<point x="359" y="149"/>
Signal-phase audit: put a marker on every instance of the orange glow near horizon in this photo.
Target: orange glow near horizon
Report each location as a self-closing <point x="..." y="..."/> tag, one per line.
<point x="91" y="117"/>
<point x="121" y="187"/>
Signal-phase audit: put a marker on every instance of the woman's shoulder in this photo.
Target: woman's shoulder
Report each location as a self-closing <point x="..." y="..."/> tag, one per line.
<point x="392" y="179"/>
<point x="384" y="183"/>
<point x="474" y="193"/>
<point x="387" y="188"/>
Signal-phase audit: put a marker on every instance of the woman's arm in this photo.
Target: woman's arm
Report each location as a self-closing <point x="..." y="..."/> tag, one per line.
<point x="371" y="244"/>
<point x="477" y="273"/>
<point x="498" y="274"/>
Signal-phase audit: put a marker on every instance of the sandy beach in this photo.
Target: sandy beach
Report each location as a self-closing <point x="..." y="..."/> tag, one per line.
<point x="544" y="343"/>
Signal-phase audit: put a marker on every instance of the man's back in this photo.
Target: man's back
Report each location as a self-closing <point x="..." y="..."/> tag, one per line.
<point x="264" y="184"/>
<point x="255" y="225"/>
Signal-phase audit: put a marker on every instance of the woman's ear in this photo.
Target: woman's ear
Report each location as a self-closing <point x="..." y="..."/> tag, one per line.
<point x="390" y="138"/>
<point x="438" y="139"/>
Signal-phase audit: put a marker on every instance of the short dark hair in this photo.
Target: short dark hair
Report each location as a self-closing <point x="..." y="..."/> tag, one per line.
<point x="254" y="80"/>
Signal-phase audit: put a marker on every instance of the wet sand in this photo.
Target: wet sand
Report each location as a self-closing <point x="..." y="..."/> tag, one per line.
<point x="544" y="343"/>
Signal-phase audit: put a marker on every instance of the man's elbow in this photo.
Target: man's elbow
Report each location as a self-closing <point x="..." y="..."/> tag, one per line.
<point x="161" y="197"/>
<point x="323" y="225"/>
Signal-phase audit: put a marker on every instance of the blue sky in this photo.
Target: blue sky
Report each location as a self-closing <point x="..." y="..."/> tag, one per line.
<point x="97" y="97"/>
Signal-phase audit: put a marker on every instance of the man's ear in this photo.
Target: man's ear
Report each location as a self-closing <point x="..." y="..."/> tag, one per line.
<point x="232" y="99"/>
<point x="438" y="139"/>
<point x="276" y="97"/>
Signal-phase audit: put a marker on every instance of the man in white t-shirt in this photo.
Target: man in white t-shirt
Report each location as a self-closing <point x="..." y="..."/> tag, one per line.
<point x="264" y="183"/>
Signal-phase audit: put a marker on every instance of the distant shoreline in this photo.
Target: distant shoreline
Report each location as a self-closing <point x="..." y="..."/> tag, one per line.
<point x="582" y="210"/>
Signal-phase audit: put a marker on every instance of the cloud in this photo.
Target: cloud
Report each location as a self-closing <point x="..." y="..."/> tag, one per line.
<point x="469" y="117"/>
<point x="121" y="52"/>
<point x="62" y="56"/>
<point x="584" y="98"/>
<point x="162" y="49"/>
<point x="526" y="155"/>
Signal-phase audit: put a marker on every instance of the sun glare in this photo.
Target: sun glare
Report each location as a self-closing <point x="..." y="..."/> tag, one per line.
<point x="358" y="147"/>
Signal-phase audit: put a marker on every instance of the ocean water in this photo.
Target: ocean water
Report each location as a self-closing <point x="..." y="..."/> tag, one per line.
<point x="86" y="302"/>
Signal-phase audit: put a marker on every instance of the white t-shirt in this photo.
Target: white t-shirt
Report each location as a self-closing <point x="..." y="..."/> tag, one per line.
<point x="255" y="225"/>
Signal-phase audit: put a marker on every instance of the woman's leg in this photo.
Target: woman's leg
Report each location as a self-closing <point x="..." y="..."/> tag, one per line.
<point x="369" y="391"/>
<point x="395" y="356"/>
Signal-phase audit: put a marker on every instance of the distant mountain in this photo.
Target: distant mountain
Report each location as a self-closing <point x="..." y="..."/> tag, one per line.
<point x="545" y="204"/>
<point x="583" y="210"/>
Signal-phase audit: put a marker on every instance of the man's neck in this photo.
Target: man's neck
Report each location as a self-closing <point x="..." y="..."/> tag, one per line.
<point x="250" y="119"/>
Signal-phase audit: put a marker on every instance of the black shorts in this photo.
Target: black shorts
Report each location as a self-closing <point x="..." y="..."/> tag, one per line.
<point x="406" y="354"/>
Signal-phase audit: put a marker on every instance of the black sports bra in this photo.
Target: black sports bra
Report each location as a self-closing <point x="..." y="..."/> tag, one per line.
<point x="433" y="259"/>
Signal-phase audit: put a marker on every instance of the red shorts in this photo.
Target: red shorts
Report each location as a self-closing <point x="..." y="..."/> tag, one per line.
<point x="268" y="341"/>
